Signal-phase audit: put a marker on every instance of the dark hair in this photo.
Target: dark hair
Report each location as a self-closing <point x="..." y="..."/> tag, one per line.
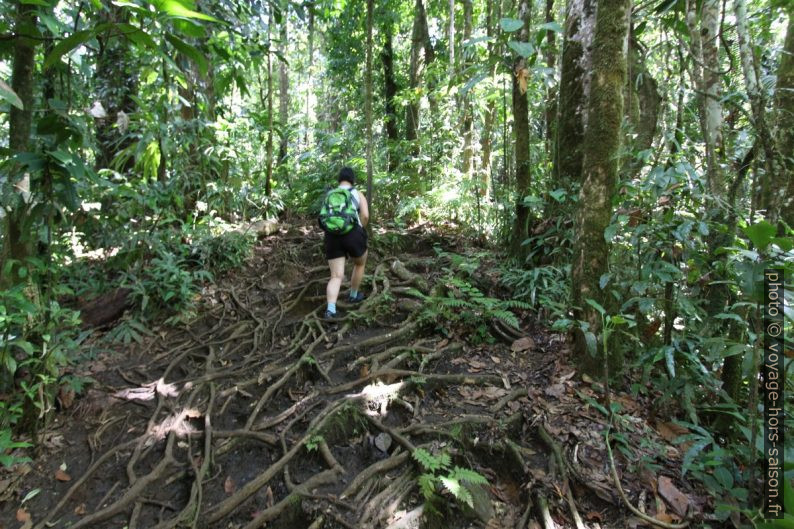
<point x="347" y="175"/>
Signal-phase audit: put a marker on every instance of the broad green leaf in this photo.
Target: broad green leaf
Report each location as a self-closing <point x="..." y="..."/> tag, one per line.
<point x="510" y="25"/>
<point x="471" y="83"/>
<point x="760" y="234"/>
<point x="67" y="45"/>
<point x="178" y="9"/>
<point x="596" y="305"/>
<point x="551" y="26"/>
<point x="524" y="49"/>
<point x="190" y="52"/>
<point x="137" y="36"/>
<point x="785" y="243"/>
<point x="610" y="232"/>
<point x="9" y="95"/>
<point x="592" y="344"/>
<point x="604" y="280"/>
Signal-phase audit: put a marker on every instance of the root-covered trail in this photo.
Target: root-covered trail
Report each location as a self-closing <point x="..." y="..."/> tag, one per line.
<point x="260" y="413"/>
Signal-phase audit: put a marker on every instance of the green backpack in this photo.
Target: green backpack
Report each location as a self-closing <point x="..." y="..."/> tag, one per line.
<point x="338" y="214"/>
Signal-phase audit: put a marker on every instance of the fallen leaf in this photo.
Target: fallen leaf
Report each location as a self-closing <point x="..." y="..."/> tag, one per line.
<point x="60" y="475"/>
<point x="269" y="497"/>
<point x="66" y="397"/>
<point x="522" y="344"/>
<point x="674" y="497"/>
<point x="23" y="515"/>
<point x="555" y="390"/>
<point x="364" y="371"/>
<point x="80" y="509"/>
<point x="496" y="360"/>
<point x="229" y="486"/>
<point x="192" y="413"/>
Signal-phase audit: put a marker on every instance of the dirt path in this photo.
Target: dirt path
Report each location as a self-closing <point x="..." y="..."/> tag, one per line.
<point x="260" y="413"/>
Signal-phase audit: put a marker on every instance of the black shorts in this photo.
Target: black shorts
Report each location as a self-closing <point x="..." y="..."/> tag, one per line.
<point x="352" y="244"/>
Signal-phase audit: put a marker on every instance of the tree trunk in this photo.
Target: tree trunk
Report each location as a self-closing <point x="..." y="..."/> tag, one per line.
<point x="784" y="133"/>
<point x="551" y="97"/>
<point x="116" y="83"/>
<point x="368" y="103"/>
<point x="451" y="38"/>
<point x="642" y="103"/>
<point x="17" y="244"/>
<point x="307" y="126"/>
<point x="269" y="162"/>
<point x="490" y="110"/>
<point x="467" y="108"/>
<point x="420" y="39"/>
<point x="601" y="154"/>
<point x="520" y="78"/>
<point x="389" y="92"/>
<point x="574" y="87"/>
<point x="283" y="90"/>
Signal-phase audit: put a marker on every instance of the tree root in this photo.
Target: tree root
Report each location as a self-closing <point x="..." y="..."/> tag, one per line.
<point x="634" y="510"/>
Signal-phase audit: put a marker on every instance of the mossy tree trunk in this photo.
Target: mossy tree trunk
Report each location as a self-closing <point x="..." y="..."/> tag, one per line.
<point x="17" y="244"/>
<point x="601" y="154"/>
<point x="116" y="85"/>
<point x="783" y="185"/>
<point x="419" y="42"/>
<point x="467" y="107"/>
<point x="490" y="109"/>
<point x="283" y="89"/>
<point x="574" y="86"/>
<point x="551" y="96"/>
<point x="390" y="89"/>
<point x="368" y="102"/>
<point x="642" y="104"/>
<point x="520" y="78"/>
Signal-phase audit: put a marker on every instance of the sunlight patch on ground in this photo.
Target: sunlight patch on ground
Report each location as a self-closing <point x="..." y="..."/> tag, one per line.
<point x="148" y="391"/>
<point x="377" y="396"/>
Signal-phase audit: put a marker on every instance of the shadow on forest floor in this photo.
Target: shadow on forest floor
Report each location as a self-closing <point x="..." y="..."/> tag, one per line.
<point x="259" y="413"/>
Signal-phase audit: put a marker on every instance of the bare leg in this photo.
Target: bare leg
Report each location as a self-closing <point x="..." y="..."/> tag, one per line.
<point x="337" y="267"/>
<point x="358" y="271"/>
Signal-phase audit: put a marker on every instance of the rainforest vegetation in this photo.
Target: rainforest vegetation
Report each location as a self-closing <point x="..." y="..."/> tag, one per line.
<point x="573" y="204"/>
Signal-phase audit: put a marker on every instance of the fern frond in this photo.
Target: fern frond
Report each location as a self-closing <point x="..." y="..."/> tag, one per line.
<point x="458" y="490"/>
<point x="469" y="475"/>
<point x="428" y="461"/>
<point x="427" y="485"/>
<point x="507" y="317"/>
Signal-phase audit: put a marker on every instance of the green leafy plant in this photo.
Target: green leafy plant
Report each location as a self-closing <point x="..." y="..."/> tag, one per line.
<point x="439" y="474"/>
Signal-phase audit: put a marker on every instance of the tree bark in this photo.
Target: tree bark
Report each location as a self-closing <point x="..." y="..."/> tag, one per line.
<point x="467" y="107"/>
<point x="269" y="168"/>
<point x="490" y="110"/>
<point x="520" y="78"/>
<point x="642" y="104"/>
<point x="283" y="89"/>
<point x="551" y="99"/>
<point x="574" y="87"/>
<point x="390" y="89"/>
<point x="116" y="83"/>
<point x="368" y="104"/>
<point x="601" y="149"/>
<point x="451" y="38"/>
<point x="783" y="184"/>
<point x="17" y="244"/>
<point x="420" y="40"/>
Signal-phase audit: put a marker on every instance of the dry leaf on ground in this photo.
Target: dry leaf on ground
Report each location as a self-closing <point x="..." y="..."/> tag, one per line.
<point x="229" y="486"/>
<point x="674" y="497"/>
<point x="60" y="475"/>
<point x="522" y="344"/>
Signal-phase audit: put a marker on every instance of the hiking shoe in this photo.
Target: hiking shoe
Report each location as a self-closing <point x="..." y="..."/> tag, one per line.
<point x="330" y="315"/>
<point x="357" y="299"/>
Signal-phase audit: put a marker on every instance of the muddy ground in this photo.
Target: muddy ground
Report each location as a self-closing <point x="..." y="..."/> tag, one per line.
<point x="260" y="413"/>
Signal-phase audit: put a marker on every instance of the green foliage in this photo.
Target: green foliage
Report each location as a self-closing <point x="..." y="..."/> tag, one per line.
<point x="462" y="303"/>
<point x="439" y="474"/>
<point x="313" y="442"/>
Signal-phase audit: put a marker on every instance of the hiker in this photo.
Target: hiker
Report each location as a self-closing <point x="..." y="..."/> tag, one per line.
<point x="343" y="216"/>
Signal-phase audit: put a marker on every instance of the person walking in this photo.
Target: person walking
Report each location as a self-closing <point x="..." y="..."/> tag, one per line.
<point x="343" y="217"/>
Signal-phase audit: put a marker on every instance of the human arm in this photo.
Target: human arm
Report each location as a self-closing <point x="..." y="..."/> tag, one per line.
<point x="363" y="209"/>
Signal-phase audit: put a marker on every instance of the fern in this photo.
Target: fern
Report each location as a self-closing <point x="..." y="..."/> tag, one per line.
<point x="469" y="475"/>
<point x="427" y="485"/>
<point x="458" y="490"/>
<point x="507" y="317"/>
